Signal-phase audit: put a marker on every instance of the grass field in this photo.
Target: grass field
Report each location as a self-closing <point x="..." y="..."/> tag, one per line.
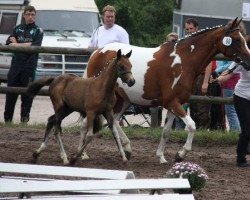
<point x="202" y="137"/>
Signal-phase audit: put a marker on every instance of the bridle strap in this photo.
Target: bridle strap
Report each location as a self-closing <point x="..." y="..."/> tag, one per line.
<point x="120" y="74"/>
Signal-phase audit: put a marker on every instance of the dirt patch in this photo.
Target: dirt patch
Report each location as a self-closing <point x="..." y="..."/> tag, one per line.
<point x="226" y="181"/>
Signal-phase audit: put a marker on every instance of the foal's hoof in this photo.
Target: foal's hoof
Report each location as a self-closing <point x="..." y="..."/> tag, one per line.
<point x="34" y="157"/>
<point x="178" y="158"/>
<point x="72" y="161"/>
<point x="127" y="154"/>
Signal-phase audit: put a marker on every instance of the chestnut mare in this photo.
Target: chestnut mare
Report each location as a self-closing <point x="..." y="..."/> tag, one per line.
<point x="90" y="97"/>
<point x="164" y="75"/>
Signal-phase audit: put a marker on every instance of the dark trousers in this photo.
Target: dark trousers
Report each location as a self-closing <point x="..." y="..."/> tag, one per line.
<point x="199" y="112"/>
<point x="217" y="113"/>
<point x="242" y="107"/>
<point x="19" y="78"/>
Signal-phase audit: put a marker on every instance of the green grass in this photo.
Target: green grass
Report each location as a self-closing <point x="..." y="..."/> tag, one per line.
<point x="201" y="137"/>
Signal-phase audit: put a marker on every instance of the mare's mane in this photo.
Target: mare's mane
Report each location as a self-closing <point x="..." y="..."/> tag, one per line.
<point x="199" y="32"/>
<point x="107" y="64"/>
<point x="113" y="61"/>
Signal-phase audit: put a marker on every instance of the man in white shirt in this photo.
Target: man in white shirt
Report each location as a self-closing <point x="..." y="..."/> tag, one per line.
<point x="109" y="32"/>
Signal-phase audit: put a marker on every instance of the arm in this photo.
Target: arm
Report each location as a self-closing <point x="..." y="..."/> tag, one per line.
<point x="206" y="78"/>
<point x="224" y="77"/>
<point x="227" y="74"/>
<point x="93" y="43"/>
<point x="38" y="38"/>
<point x="13" y="42"/>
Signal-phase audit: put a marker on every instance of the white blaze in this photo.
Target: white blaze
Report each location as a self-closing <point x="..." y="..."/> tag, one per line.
<point x="245" y="43"/>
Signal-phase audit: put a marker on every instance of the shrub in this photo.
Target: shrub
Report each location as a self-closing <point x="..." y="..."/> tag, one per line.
<point x="196" y="176"/>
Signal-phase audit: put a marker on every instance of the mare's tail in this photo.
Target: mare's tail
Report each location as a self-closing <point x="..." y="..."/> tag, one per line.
<point x="35" y="86"/>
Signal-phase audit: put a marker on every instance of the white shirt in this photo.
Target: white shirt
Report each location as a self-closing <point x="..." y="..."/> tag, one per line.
<point x="102" y="36"/>
<point x="242" y="88"/>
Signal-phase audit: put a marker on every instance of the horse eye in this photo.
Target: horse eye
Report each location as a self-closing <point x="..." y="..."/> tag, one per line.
<point x="122" y="67"/>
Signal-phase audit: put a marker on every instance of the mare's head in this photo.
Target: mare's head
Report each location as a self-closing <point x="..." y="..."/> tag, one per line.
<point x="233" y="44"/>
<point x="124" y="68"/>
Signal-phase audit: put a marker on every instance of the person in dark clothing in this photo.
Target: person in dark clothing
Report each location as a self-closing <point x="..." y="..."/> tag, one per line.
<point x="23" y="65"/>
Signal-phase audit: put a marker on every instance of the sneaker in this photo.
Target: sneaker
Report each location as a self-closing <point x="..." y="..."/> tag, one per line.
<point x="248" y="149"/>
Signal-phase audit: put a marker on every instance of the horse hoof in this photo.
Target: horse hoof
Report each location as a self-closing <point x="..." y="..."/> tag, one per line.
<point x="72" y="161"/>
<point x="85" y="156"/>
<point x="178" y="158"/>
<point x="67" y="164"/>
<point x="127" y="154"/>
<point x="34" y="157"/>
<point x="163" y="161"/>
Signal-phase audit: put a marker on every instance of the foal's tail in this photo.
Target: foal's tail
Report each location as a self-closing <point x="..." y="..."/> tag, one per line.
<point x="97" y="124"/>
<point x="35" y="86"/>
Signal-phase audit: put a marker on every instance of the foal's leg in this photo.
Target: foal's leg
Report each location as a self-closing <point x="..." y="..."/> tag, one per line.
<point x="123" y="137"/>
<point x="110" y="120"/>
<point x="50" y="124"/>
<point x="58" y="131"/>
<point x="188" y="145"/>
<point x="61" y="113"/>
<point x="164" y="137"/>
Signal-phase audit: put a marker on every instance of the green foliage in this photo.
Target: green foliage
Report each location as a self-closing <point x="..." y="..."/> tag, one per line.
<point x="146" y="21"/>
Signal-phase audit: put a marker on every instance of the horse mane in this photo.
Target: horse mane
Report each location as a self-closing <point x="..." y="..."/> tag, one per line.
<point x="199" y="32"/>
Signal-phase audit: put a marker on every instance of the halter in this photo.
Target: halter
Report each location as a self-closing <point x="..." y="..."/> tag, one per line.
<point x="120" y="73"/>
<point x="236" y="57"/>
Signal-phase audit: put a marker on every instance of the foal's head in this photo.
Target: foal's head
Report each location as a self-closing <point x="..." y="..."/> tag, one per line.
<point x="124" y="68"/>
<point x="233" y="44"/>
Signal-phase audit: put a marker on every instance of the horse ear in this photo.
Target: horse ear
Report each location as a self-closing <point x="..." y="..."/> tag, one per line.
<point x="129" y="54"/>
<point x="235" y="24"/>
<point x="119" y="54"/>
<point x="239" y="21"/>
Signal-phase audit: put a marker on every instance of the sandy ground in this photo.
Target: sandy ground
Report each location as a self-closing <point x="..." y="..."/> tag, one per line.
<point x="226" y="181"/>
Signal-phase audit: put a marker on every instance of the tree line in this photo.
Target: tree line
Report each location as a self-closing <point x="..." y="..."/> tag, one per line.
<point x="146" y="21"/>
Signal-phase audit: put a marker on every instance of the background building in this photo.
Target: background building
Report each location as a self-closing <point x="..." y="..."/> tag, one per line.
<point x="210" y="13"/>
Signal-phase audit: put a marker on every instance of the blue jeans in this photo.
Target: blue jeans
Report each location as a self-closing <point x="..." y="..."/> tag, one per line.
<point x="231" y="114"/>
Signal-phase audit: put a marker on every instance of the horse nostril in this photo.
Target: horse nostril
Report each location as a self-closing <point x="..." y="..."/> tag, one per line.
<point x="131" y="82"/>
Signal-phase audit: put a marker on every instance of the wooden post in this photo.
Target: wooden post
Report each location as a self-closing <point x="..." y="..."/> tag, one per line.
<point x="154" y="117"/>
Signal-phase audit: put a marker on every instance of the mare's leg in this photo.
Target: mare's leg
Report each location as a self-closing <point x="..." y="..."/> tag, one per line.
<point x="164" y="137"/>
<point x="188" y="145"/>
<point x="83" y="132"/>
<point x="87" y="139"/>
<point x="50" y="124"/>
<point x="110" y="120"/>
